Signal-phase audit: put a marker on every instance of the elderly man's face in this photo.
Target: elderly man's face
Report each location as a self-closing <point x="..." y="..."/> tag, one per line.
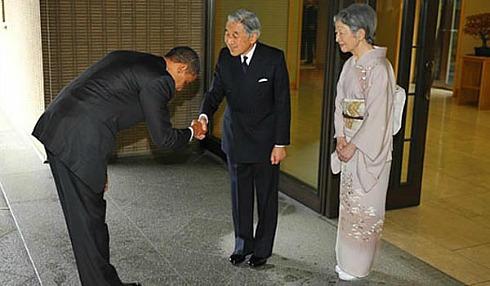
<point x="237" y="40"/>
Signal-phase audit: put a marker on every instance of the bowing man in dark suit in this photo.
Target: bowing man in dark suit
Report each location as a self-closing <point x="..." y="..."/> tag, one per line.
<point x="255" y="131"/>
<point x="78" y="130"/>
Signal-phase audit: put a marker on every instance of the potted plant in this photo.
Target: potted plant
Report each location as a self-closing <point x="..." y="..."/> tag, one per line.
<point x="478" y="26"/>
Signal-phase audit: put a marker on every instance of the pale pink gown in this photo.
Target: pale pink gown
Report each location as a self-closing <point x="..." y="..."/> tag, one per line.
<point x="365" y="89"/>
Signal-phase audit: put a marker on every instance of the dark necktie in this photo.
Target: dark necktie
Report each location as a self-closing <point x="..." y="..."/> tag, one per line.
<point x="244" y="65"/>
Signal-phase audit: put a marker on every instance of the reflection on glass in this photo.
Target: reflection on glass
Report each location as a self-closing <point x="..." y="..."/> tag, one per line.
<point x="307" y="100"/>
<point x="447" y="41"/>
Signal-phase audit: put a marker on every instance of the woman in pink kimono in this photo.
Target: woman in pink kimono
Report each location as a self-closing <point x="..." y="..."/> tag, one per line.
<point x="363" y="130"/>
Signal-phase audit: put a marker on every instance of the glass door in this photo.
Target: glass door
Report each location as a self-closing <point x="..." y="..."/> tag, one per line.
<point x="301" y="175"/>
<point x="415" y="73"/>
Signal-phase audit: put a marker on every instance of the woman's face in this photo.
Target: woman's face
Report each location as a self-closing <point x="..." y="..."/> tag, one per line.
<point x="347" y="40"/>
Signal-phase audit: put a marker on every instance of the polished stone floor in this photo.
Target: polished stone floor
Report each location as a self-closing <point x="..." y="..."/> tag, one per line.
<point x="170" y="224"/>
<point x="450" y="229"/>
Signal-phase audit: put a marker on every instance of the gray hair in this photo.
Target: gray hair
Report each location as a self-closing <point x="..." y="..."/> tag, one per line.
<point x="249" y="20"/>
<point x="359" y="16"/>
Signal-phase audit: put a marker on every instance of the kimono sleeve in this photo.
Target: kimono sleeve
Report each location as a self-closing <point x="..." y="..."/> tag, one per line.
<point x="376" y="126"/>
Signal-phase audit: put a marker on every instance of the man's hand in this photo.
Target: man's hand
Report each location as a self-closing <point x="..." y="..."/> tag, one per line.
<point x="277" y="155"/>
<point x="204" y="123"/>
<point x="199" y="129"/>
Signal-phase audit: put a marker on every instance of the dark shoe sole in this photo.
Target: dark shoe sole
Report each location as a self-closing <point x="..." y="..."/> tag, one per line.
<point x="256" y="262"/>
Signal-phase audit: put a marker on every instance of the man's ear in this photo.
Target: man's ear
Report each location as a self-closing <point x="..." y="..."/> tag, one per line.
<point x="254" y="37"/>
<point x="182" y="68"/>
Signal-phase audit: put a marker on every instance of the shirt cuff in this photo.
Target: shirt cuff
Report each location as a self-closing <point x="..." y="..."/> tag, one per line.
<point x="205" y="117"/>
<point x="192" y="133"/>
<point x="280" y="146"/>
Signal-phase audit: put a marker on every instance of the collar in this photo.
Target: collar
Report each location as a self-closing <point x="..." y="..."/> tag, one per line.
<point x="249" y="55"/>
<point x="371" y="57"/>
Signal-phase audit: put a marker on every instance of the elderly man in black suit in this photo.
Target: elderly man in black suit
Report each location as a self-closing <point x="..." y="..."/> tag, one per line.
<point x="254" y="79"/>
<point x="78" y="130"/>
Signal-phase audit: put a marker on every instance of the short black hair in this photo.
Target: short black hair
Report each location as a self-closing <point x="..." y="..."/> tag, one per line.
<point x="185" y="55"/>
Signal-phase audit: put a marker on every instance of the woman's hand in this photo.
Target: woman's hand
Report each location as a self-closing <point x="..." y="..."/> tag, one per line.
<point x="346" y="153"/>
<point x="345" y="150"/>
<point x="341" y="143"/>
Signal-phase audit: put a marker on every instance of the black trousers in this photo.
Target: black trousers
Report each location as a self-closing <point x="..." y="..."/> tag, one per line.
<point x="248" y="180"/>
<point x="85" y="211"/>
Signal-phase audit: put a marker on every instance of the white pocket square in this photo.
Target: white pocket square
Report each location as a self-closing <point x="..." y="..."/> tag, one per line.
<point x="263" y="80"/>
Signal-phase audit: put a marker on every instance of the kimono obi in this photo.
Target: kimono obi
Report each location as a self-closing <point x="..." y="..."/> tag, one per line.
<point x="353" y="113"/>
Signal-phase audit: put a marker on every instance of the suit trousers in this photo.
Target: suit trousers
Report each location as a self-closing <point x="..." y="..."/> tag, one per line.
<point x="248" y="180"/>
<point x="85" y="211"/>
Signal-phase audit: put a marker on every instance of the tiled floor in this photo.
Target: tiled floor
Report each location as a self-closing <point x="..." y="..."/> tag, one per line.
<point x="170" y="224"/>
<point x="451" y="228"/>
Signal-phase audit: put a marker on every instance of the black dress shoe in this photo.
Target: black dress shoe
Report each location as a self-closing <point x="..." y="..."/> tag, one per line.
<point x="256" y="261"/>
<point x="237" y="258"/>
<point x="132" y="284"/>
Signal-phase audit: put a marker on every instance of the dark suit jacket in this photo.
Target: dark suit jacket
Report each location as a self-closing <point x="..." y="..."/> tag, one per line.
<point x="258" y="111"/>
<point x="117" y="92"/>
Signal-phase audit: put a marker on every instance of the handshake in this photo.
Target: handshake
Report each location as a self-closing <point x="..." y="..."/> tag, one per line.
<point x="200" y="128"/>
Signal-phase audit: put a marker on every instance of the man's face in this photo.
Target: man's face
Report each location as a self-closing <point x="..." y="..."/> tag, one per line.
<point x="237" y="40"/>
<point x="182" y="79"/>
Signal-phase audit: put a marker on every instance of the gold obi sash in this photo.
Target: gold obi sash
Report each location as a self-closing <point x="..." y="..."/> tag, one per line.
<point x="353" y="112"/>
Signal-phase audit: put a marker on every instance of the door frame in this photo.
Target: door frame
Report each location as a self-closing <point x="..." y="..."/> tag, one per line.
<point x="406" y="194"/>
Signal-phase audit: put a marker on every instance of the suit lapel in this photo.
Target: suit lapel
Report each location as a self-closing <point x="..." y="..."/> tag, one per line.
<point x="257" y="60"/>
<point x="246" y="83"/>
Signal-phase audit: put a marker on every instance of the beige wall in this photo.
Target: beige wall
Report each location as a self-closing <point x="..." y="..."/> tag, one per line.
<point x="470" y="7"/>
<point x="467" y="43"/>
<point x="21" y="80"/>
